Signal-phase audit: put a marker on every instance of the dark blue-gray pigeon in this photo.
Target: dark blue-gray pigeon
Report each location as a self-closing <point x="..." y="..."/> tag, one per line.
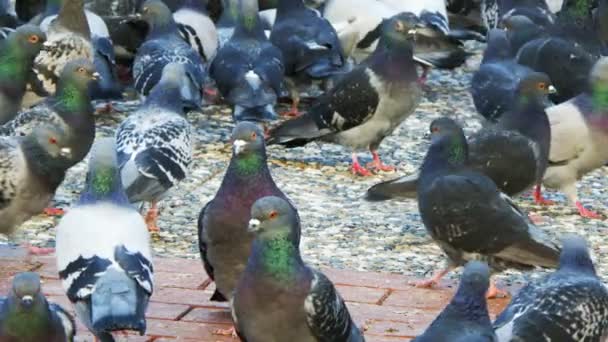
<point x="279" y="297"/>
<point x="26" y="315"/>
<point x="468" y="217"/>
<point x="248" y="69"/>
<point x="367" y="104"/>
<point x="466" y="317"/>
<point x="164" y="45"/>
<point x="103" y="252"/>
<point x="569" y="305"/>
<point x="224" y="242"/>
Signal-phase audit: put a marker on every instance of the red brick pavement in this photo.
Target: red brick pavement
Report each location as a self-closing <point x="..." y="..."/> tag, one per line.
<point x="180" y="309"/>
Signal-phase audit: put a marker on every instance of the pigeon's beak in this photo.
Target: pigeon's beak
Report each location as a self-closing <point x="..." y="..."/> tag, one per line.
<point x="66" y="152"/>
<point x="95" y="75"/>
<point x="254" y="225"/>
<point x="27" y="301"/>
<point x="238" y="146"/>
<point x="551" y="89"/>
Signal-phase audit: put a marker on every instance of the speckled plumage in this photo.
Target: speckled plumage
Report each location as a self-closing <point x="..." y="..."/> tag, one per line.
<point x="280" y="298"/>
<point x="154" y="143"/>
<point x="27" y="316"/>
<point x="571" y="304"/>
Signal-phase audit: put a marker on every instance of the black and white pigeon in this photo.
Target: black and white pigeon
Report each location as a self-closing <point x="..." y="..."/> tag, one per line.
<point x="248" y="69"/>
<point x="197" y="28"/>
<point x="367" y="104"/>
<point x="103" y="252"/>
<point x="569" y="305"/>
<point x="579" y="136"/>
<point x="68" y="39"/>
<point x="467" y="215"/>
<point x="17" y="54"/>
<point x="466" y="317"/>
<point x="279" y="297"/>
<point x="224" y="242"/>
<point x="164" y="45"/>
<point x="154" y="143"/>
<point x="513" y="153"/>
<point x="494" y="84"/>
<point x="493" y="11"/>
<point x="26" y="315"/>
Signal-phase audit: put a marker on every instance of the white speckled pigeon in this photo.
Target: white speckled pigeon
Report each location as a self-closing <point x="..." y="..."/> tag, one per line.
<point x="466" y="317"/>
<point x="468" y="217"/>
<point x="224" y="241"/>
<point x="103" y="252"/>
<point x="569" y="305"/>
<point x="367" y="104"/>
<point x="26" y="315"/>
<point x="279" y="297"/>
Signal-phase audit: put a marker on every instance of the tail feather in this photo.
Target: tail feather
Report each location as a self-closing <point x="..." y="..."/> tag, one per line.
<point x="403" y="187"/>
<point x="538" y="250"/>
<point x="295" y="132"/>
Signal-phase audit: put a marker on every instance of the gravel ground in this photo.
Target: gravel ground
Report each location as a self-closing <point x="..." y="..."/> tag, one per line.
<point x="340" y="229"/>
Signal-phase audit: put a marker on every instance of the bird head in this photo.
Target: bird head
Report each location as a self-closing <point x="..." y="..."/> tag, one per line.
<point x="79" y="72"/>
<point x="30" y="38"/>
<point x="155" y="13"/>
<point x="54" y="141"/>
<point x="271" y="216"/>
<point x="475" y="279"/>
<point x="448" y="139"/>
<point x="402" y="27"/>
<point x="246" y="138"/>
<point x="536" y="84"/>
<point x="575" y="255"/>
<point x="26" y="290"/>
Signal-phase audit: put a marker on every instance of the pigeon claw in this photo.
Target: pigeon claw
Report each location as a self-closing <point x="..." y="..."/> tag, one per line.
<point x="424" y="284"/>
<point x="539" y="199"/>
<point x="226" y="332"/>
<point x="54" y="212"/>
<point x="378" y="165"/>
<point x="584" y="212"/>
<point x="359" y="170"/>
<point x="151" y="219"/>
<point x="495" y="292"/>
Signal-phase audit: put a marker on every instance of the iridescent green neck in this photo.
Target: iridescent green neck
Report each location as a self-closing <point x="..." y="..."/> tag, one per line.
<point x="580" y="8"/>
<point x="249" y="164"/>
<point x="457" y="151"/>
<point x="103" y="180"/>
<point x="26" y="325"/>
<point x="12" y="62"/>
<point x="279" y="257"/>
<point x="600" y="97"/>
<point x="71" y="97"/>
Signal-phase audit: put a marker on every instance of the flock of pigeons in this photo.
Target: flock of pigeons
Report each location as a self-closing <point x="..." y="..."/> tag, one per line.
<point x="542" y="86"/>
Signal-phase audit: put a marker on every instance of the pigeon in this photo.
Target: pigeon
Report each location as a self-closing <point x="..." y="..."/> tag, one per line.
<point x="506" y="152"/>
<point x="224" y="241"/>
<point x="154" y="143"/>
<point x="68" y="39"/>
<point x="103" y="252"/>
<point x="107" y="86"/>
<point x="248" y="69"/>
<point x="279" y="297"/>
<point x="227" y="22"/>
<point x="69" y="108"/>
<point x="310" y="46"/>
<point x="571" y="304"/>
<point x="494" y="84"/>
<point x="367" y="104"/>
<point x="17" y="54"/>
<point x="164" y="45"/>
<point x="467" y="215"/>
<point x="466" y="317"/>
<point x="26" y="315"/>
<point x="31" y="170"/>
<point x="579" y="135"/>
<point x="113" y="8"/>
<point x="97" y="26"/>
<point x="197" y="28"/>
<point x="493" y="11"/>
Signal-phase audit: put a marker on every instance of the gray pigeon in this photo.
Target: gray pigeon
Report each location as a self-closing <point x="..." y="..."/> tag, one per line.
<point x="466" y="318"/>
<point x="579" y="136"/>
<point x="468" y="217"/>
<point x="68" y="39"/>
<point x="224" y="242"/>
<point x="154" y="143"/>
<point x="26" y="315"/>
<point x="17" y="54"/>
<point x="248" y="69"/>
<point x="279" y="297"/>
<point x="164" y="45"/>
<point x="569" y="305"/>
<point x="103" y="252"/>
<point x="367" y="104"/>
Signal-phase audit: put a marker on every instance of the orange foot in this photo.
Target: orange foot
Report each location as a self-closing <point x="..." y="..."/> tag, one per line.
<point x="53" y="212"/>
<point x="495" y="292"/>
<point x="584" y="212"/>
<point x="424" y="284"/>
<point x="539" y="199"/>
<point x="359" y="170"/>
<point x="377" y="164"/>
<point x="226" y="332"/>
<point x="151" y="218"/>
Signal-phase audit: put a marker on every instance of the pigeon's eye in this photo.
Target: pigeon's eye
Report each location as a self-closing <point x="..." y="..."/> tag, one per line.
<point x="81" y="70"/>
<point x="435" y="129"/>
<point x="52" y="140"/>
<point x="399" y="26"/>
<point x="254" y="135"/>
<point x="273" y="214"/>
<point x="33" y="39"/>
<point x="542" y="86"/>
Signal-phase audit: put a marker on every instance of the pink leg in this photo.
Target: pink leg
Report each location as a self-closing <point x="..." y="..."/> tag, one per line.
<point x="428" y="283"/>
<point x="377" y="164"/>
<point x="359" y="170"/>
<point x="151" y="218"/>
<point x="53" y="212"/>
<point x="584" y="212"/>
<point x="495" y="292"/>
<point x="33" y="250"/>
<point x="538" y="197"/>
